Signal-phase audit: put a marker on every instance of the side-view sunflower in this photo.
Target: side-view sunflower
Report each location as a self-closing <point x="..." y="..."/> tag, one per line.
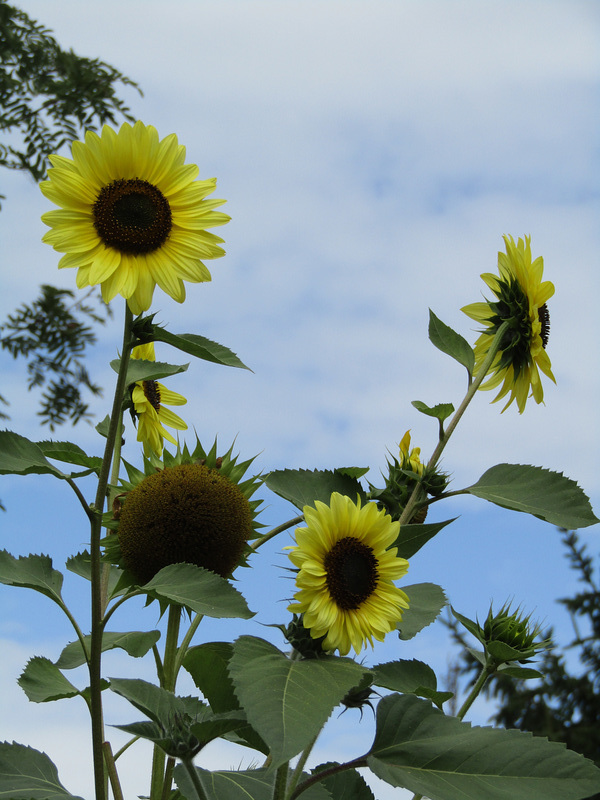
<point x="521" y="298"/>
<point x="132" y="215"/>
<point x="346" y="568"/>
<point x="193" y="508"/>
<point x="149" y="399"/>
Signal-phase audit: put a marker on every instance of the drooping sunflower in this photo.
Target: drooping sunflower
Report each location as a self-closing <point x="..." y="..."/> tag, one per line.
<point x="132" y="215"/>
<point x="193" y="508"/>
<point x="521" y="300"/>
<point x="149" y="399"/>
<point x="346" y="568"/>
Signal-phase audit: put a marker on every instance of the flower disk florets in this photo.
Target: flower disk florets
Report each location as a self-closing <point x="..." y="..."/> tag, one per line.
<point x="188" y="513"/>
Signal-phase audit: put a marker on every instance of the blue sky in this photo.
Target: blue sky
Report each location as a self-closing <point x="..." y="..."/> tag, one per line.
<point x="372" y="155"/>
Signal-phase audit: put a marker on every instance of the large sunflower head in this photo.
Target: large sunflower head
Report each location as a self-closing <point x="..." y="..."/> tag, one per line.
<point x="521" y="301"/>
<point x="132" y="215"/>
<point x="194" y="508"/>
<point x="346" y="568"/>
<point x="149" y="400"/>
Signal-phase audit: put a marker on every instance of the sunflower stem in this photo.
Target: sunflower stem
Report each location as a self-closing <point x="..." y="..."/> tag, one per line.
<point x="279" y="529"/>
<point x="297" y="773"/>
<point x="418" y="492"/>
<point x="280" y="785"/>
<point x="95" y="663"/>
<point x="168" y="681"/>
<point x="326" y="773"/>
<point x="191" y="771"/>
<point x="185" y="643"/>
<point x="486" y="672"/>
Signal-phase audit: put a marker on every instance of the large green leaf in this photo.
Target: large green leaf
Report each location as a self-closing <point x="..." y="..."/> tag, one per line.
<point x="208" y="664"/>
<point x="412" y="537"/>
<point x="19" y="456"/>
<point x="547" y="495"/>
<point x="70" y="453"/>
<point x="27" y="774"/>
<point x="158" y="704"/>
<point x="42" y="681"/>
<point x="198" y="589"/>
<point x="31" y="572"/>
<point x="254" y="784"/>
<point x="426" y="600"/>
<point x="140" y="370"/>
<point x="288" y="702"/>
<point x="303" y="486"/>
<point x="410" y="677"/>
<point x="200" y="347"/>
<point x="450" y="342"/>
<point x="135" y="644"/>
<point x="419" y="748"/>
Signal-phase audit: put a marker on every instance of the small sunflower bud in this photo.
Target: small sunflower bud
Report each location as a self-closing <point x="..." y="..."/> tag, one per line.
<point x="510" y="636"/>
<point x="301" y="640"/>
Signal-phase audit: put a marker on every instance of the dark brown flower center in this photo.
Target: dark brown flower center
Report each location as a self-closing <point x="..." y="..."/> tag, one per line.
<point x="152" y="393"/>
<point x="544" y="318"/>
<point x="132" y="216"/>
<point x="352" y="574"/>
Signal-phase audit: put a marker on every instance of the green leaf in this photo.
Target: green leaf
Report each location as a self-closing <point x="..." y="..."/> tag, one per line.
<point x="441" y="411"/>
<point x="288" y="702"/>
<point x="253" y="784"/>
<point x="419" y="748"/>
<point x="81" y="565"/>
<point x="200" y="347"/>
<point x="70" y="453"/>
<point x="410" y="677"/>
<point x="521" y="673"/>
<point x="302" y="486"/>
<point x="42" y="681"/>
<point x="198" y="589"/>
<point x="158" y="704"/>
<point x="135" y="643"/>
<point x="534" y="490"/>
<point x="346" y="785"/>
<point x="31" y="572"/>
<point x="426" y="600"/>
<point x="102" y="427"/>
<point x="19" y="456"/>
<point x="27" y="774"/>
<point x="450" y="342"/>
<point x="412" y="537"/>
<point x="140" y="370"/>
<point x="209" y="727"/>
<point x="208" y="664"/>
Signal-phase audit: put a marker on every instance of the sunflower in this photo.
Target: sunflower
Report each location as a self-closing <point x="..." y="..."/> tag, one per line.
<point x="521" y="298"/>
<point x="149" y="399"/>
<point x="191" y="507"/>
<point x="346" y="568"/>
<point x="410" y="459"/>
<point x="132" y="215"/>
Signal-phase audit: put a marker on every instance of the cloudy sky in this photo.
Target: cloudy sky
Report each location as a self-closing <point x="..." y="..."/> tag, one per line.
<point x="372" y="154"/>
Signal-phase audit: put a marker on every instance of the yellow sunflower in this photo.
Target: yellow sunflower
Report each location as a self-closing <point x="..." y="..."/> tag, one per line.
<point x="521" y="298"/>
<point x="132" y="215"/>
<point x="410" y="459"/>
<point x="149" y="399"/>
<point x="346" y="568"/>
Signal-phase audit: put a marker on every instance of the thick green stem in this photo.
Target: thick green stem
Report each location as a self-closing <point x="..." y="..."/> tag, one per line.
<point x="185" y="643"/>
<point x="280" y="785"/>
<point x="445" y="435"/>
<point x="485" y="673"/>
<point x="96" y="569"/>
<point x="168" y="682"/>
<point x="297" y="774"/>
<point x="191" y="771"/>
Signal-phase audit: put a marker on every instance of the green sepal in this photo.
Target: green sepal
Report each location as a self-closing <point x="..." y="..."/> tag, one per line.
<point x="199" y="346"/>
<point x="102" y="427"/>
<point x="27" y="774"/>
<point x="521" y="673"/>
<point x="451" y="343"/>
<point x="471" y="626"/>
<point x="426" y="600"/>
<point x="547" y="495"/>
<point x="135" y="643"/>
<point x="440" y="411"/>
<point x="419" y="748"/>
<point x="20" y="456"/>
<point x="412" y="537"/>
<point x="32" y="572"/>
<point x="198" y="590"/>
<point x="410" y="677"/>
<point x="42" y="681"/>
<point x="139" y="369"/>
<point x="302" y="487"/>
<point x="288" y="702"/>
